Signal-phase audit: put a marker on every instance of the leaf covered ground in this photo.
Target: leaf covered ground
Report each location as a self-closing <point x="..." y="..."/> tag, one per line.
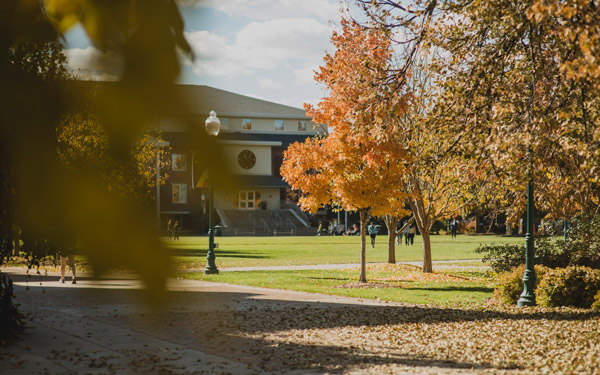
<point x="271" y="331"/>
<point x="375" y="340"/>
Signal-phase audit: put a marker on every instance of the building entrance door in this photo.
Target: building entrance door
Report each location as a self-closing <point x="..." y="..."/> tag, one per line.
<point x="246" y="200"/>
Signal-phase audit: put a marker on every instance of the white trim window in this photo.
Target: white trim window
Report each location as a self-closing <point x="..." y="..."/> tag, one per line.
<point x="179" y="193"/>
<point x="246" y="124"/>
<point x="301" y="125"/>
<point x="278" y="125"/>
<point x="179" y="162"/>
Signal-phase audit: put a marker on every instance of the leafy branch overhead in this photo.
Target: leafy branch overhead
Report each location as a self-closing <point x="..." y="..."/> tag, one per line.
<point x="517" y="81"/>
<point x="42" y="192"/>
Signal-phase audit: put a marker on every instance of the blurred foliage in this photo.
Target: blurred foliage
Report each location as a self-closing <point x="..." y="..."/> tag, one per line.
<point x="11" y="321"/>
<point x="40" y="193"/>
<point x="83" y="143"/>
<point x="596" y="304"/>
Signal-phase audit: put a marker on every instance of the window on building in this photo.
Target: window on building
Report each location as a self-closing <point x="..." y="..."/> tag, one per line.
<point x="278" y="125"/>
<point x="179" y="162"/>
<point x="301" y="125"/>
<point x="247" y="199"/>
<point x="246" y="124"/>
<point x="224" y="123"/>
<point x="179" y="193"/>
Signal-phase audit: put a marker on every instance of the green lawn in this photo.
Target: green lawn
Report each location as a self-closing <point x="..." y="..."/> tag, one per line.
<point x="190" y="252"/>
<point x="400" y="283"/>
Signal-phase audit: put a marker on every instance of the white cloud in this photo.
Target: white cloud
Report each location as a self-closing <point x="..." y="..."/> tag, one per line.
<point x="91" y="63"/>
<point x="213" y="56"/>
<point x="270" y="9"/>
<point x="268" y="83"/>
<point x="306" y="76"/>
<point x="259" y="46"/>
<point x="271" y="42"/>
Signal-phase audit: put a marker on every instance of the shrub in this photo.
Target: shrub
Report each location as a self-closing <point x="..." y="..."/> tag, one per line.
<point x="583" y="243"/>
<point x="581" y="249"/>
<point x="510" y="284"/>
<point x="596" y="304"/>
<point x="11" y="321"/>
<point x="572" y="286"/>
<point x="502" y="258"/>
<point x="550" y="251"/>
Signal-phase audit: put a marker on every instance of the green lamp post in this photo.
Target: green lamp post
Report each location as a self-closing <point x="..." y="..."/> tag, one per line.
<point x="528" y="297"/>
<point x="213" y="125"/>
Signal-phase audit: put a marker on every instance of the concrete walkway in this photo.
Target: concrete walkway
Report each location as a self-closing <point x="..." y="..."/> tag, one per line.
<point x="104" y="326"/>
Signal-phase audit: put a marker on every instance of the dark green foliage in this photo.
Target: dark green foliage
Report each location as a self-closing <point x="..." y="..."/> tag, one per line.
<point x="510" y="284"/>
<point x="11" y="321"/>
<point x="502" y="258"/>
<point x="582" y="248"/>
<point x="583" y="241"/>
<point x="6" y="248"/>
<point x="572" y="286"/>
<point x="437" y="227"/>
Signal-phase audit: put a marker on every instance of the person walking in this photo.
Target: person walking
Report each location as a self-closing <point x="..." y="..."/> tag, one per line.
<point x="411" y="233"/>
<point x="399" y="234"/>
<point x="372" y="229"/>
<point x="67" y="256"/>
<point x="176" y="229"/>
<point x="453" y="227"/>
<point x="170" y="228"/>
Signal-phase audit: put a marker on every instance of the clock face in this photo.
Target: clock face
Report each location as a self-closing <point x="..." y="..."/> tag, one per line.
<point x="246" y="159"/>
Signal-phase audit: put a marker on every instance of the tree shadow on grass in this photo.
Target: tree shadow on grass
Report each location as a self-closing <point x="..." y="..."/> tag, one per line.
<point x="221" y="254"/>
<point x="481" y="289"/>
<point x="327" y="278"/>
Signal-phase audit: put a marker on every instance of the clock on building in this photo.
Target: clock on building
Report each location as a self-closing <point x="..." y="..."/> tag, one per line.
<point x="246" y="159"/>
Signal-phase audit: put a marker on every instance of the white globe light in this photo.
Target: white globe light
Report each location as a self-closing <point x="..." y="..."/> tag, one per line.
<point x="213" y="124"/>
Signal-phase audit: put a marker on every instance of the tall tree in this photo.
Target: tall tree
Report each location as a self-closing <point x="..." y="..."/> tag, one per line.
<point x="440" y="180"/>
<point x="519" y="85"/>
<point x="358" y="166"/>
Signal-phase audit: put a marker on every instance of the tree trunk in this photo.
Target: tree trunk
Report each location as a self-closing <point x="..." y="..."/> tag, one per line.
<point x="423" y="223"/>
<point x="391" y="222"/>
<point x="427" y="262"/>
<point x="363" y="246"/>
<point x="17" y="248"/>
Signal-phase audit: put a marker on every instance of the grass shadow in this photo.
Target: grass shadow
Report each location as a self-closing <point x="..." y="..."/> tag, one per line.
<point x="223" y="254"/>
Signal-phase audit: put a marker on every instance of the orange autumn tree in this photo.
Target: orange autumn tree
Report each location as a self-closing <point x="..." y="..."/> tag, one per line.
<point x="359" y="165"/>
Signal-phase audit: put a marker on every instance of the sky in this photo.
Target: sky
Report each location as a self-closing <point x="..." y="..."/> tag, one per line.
<point x="267" y="49"/>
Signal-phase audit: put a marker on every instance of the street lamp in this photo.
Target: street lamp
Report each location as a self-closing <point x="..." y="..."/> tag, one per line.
<point x="213" y="125"/>
<point x="528" y="297"/>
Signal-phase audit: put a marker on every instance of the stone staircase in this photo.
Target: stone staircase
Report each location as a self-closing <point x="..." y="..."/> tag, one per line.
<point x="282" y="222"/>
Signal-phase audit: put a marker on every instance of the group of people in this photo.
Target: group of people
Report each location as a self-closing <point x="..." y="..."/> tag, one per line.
<point x="406" y="230"/>
<point x="173" y="229"/>
<point x="409" y="233"/>
<point x="332" y="229"/>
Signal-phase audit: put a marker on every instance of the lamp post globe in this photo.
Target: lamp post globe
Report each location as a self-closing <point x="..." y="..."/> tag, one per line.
<point x="213" y="126"/>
